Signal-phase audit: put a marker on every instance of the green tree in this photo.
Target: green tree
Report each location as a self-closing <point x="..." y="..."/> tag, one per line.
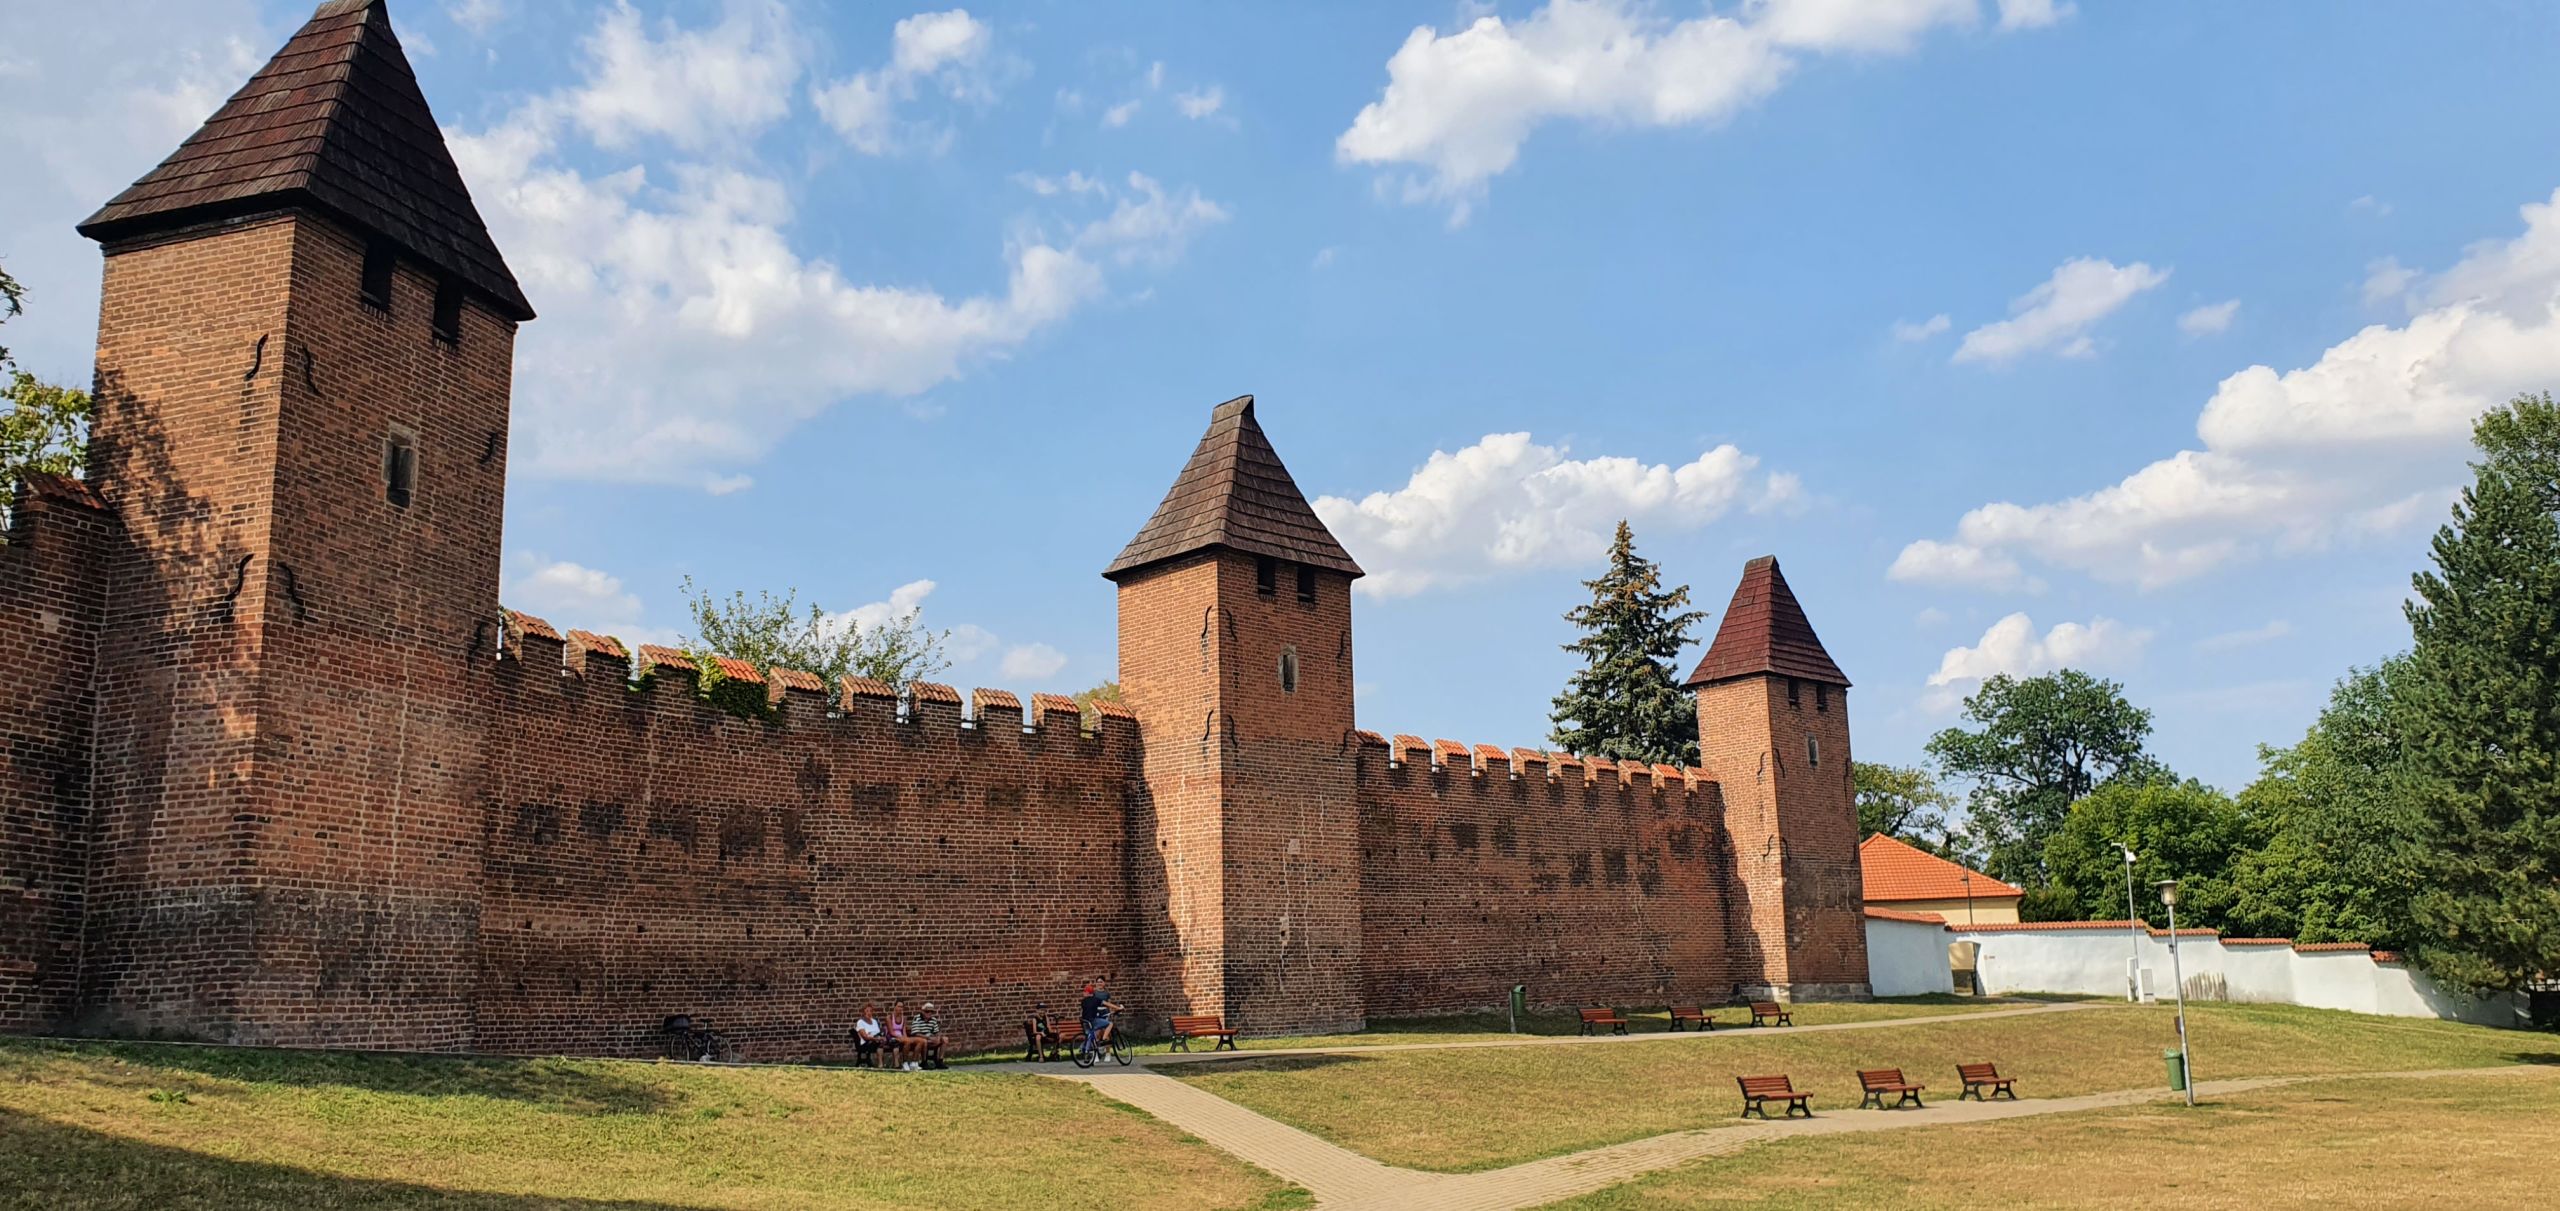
<point x="2038" y="746"/>
<point x="1626" y="701"/>
<point x="46" y="428"/>
<point x="2339" y="863"/>
<point x="2178" y="830"/>
<point x="769" y="631"/>
<point x="1108" y="691"/>
<point x="1906" y="803"/>
<point x="2479" y="713"/>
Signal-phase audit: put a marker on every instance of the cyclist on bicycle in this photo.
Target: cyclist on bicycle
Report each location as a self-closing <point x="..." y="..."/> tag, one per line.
<point x="1096" y="1013"/>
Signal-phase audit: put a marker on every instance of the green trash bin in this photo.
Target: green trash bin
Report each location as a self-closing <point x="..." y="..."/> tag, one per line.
<point x="2176" y="1061"/>
<point x="1519" y="1005"/>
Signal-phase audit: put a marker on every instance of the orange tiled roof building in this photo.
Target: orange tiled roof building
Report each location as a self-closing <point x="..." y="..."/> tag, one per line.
<point x="281" y="770"/>
<point x="1907" y="879"/>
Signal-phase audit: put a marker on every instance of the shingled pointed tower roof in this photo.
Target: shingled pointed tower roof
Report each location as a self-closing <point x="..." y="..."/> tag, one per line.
<point x="1765" y="631"/>
<point x="1234" y="494"/>
<point x="334" y="122"/>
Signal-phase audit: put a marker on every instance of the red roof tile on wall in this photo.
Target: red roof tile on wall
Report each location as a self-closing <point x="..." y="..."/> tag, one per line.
<point x="1896" y="871"/>
<point x="1895" y="914"/>
<point x="1765" y="631"/>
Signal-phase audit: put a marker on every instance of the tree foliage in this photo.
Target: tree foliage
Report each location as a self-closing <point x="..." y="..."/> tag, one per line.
<point x="2177" y="830"/>
<point x="2339" y="862"/>
<point x="769" y="631"/>
<point x="1108" y="691"/>
<point x="2479" y="713"/>
<point x="1905" y="803"/>
<point x="46" y="428"/>
<point x="2038" y="745"/>
<point x="1626" y="701"/>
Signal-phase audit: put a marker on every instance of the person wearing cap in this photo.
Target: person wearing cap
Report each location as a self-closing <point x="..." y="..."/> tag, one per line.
<point x="1035" y="1032"/>
<point x="925" y="1030"/>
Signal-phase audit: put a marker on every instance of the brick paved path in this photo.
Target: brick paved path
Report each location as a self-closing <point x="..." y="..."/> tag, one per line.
<point x="1343" y="1180"/>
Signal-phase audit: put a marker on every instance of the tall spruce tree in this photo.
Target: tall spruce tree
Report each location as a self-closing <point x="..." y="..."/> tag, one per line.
<point x="1626" y="702"/>
<point x="2480" y="714"/>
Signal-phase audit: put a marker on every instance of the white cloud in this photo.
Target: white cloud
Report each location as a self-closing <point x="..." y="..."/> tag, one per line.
<point x="2012" y="646"/>
<point x="1457" y="107"/>
<point x="477" y="16"/>
<point x="1927" y="562"/>
<point x="2058" y="313"/>
<point x="90" y="103"/>
<point x="1508" y="503"/>
<point x="699" y="89"/>
<point x="2361" y="442"/>
<point x="2032" y="14"/>
<point x="1911" y="333"/>
<point x="573" y="596"/>
<point x="2250" y="637"/>
<point x="2385" y="280"/>
<point x="2369" y="204"/>
<point x="1324" y="256"/>
<point x="1118" y="115"/>
<point x="1033" y="662"/>
<point x="683" y="335"/>
<point x="2209" y="319"/>
<point x="1929" y="617"/>
<point x="1201" y="102"/>
<point x="945" y="49"/>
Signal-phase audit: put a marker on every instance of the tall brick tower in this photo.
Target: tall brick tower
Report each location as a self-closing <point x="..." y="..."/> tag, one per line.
<point x="1235" y="654"/>
<point x="1773" y="724"/>
<point x="304" y="345"/>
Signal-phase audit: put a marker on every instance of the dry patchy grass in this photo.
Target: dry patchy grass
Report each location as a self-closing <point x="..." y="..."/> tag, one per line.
<point x="2446" y="1142"/>
<point x="1481" y="1108"/>
<point x="96" y="1126"/>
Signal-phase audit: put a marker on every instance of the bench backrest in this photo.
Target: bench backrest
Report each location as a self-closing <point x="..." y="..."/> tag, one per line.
<point x="1598" y="1015"/>
<point x="1688" y="1011"/>
<point x="1877" y="1078"/>
<point x="1978" y="1072"/>
<point x="1198" y="1022"/>
<point x="1764" y="1007"/>
<point x="1766" y="1086"/>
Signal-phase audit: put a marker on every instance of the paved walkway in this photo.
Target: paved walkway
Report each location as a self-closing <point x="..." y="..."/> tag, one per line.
<point x="1344" y="1180"/>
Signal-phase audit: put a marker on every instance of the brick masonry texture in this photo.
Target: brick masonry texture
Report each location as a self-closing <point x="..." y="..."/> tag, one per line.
<point x="280" y="770"/>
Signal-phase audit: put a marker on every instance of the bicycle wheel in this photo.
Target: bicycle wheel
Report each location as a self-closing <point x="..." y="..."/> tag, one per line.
<point x="1120" y="1051"/>
<point x="1084" y="1056"/>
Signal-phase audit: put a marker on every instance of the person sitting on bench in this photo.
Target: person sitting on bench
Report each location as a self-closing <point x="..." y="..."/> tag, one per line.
<point x="1035" y="1032"/>
<point x="926" y="1030"/>
<point x="866" y="1037"/>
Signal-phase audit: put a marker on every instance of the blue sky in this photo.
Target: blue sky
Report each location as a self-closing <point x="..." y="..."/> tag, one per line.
<point x="2142" y="339"/>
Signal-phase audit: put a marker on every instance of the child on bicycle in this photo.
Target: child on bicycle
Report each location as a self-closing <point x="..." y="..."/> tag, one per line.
<point x="1096" y="1012"/>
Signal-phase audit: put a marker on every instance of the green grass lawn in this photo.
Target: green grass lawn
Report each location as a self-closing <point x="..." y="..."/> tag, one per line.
<point x="2448" y="1142"/>
<point x="86" y="1126"/>
<point x="1487" y="1107"/>
<point x="1494" y="1025"/>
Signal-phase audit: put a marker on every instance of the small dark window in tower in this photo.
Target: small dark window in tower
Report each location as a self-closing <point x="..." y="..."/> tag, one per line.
<point x="1812" y="751"/>
<point x="378" y="260"/>
<point x="1288" y="670"/>
<point x="1306" y="583"/>
<point x="1266" y="575"/>
<point x="1821" y="697"/>
<point x="448" y="322"/>
<point x="1791" y="692"/>
<point x="399" y="470"/>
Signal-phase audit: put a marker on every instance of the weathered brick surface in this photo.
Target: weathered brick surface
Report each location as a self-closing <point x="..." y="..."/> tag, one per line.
<point x="1590" y="887"/>
<point x="50" y="607"/>
<point x="1791" y="813"/>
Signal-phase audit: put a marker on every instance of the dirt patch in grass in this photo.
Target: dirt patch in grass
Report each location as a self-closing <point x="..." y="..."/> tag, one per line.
<point x="1482" y="1108"/>
<point x="2445" y="1142"/>
<point x="97" y="1126"/>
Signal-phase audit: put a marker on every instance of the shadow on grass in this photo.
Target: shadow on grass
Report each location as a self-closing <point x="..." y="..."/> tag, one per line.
<point x="2534" y="1057"/>
<point x="1246" y="1061"/>
<point x="54" y="1165"/>
<point x="565" y="1086"/>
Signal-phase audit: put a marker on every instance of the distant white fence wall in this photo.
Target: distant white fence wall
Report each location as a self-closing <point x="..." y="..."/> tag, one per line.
<point x="2091" y="960"/>
<point x="1907" y="958"/>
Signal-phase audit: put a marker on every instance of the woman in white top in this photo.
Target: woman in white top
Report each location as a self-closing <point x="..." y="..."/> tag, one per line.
<point x="866" y="1036"/>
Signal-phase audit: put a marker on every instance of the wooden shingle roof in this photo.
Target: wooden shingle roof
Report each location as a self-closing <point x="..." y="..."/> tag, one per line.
<point x="1234" y="494"/>
<point x="334" y="122"/>
<point x="1765" y="631"/>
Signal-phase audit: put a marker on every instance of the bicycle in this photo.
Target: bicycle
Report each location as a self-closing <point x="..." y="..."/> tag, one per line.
<point x="1105" y="1041"/>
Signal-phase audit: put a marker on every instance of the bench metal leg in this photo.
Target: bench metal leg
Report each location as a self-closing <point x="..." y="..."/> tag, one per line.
<point x="1799" y="1104"/>
<point x="1752" y="1106"/>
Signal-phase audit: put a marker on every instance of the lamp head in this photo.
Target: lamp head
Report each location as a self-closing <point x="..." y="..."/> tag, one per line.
<point x="2168" y="892"/>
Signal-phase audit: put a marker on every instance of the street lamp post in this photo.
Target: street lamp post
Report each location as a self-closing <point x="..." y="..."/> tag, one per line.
<point x="1967" y="879"/>
<point x="2132" y="931"/>
<point x="2169" y="898"/>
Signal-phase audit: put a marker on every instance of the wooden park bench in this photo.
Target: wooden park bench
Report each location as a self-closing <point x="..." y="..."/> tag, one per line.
<point x="1878" y="1082"/>
<point x="1187" y="1027"/>
<point x="1980" y="1077"/>
<point x="1062" y="1039"/>
<point x="1757" y="1091"/>
<point x="1764" y="1012"/>
<point x="1683" y="1016"/>
<point x="1594" y="1019"/>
